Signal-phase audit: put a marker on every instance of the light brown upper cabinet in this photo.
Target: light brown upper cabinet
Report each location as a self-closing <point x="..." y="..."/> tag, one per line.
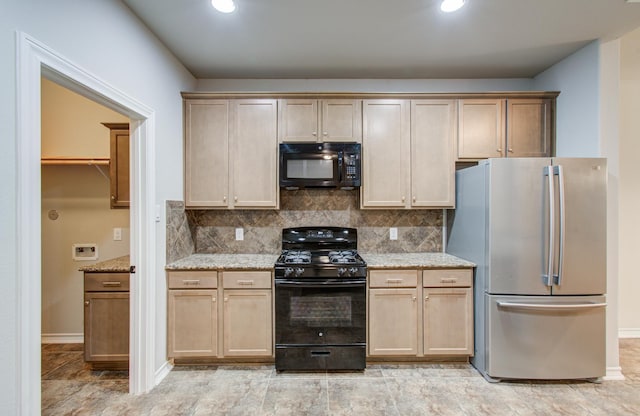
<point x="231" y="153"/>
<point x="119" y="164"/>
<point x="408" y="153"/>
<point x="326" y="120"/>
<point x="513" y="127"/>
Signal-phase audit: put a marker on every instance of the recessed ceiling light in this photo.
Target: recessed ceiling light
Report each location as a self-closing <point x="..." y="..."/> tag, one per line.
<point x="223" y="6"/>
<point x="451" y="5"/>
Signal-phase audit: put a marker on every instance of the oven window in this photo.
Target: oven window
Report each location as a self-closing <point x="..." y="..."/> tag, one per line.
<point x="310" y="168"/>
<point x="321" y="311"/>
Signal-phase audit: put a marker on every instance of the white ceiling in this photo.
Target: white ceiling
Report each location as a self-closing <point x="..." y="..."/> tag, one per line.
<point x="381" y="38"/>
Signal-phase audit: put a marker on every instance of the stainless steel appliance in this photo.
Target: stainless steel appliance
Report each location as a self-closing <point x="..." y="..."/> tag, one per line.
<point x="334" y="165"/>
<point x="536" y="228"/>
<point x="320" y="300"/>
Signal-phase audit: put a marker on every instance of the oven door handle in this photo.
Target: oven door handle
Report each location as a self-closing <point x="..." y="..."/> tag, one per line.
<point x="321" y="284"/>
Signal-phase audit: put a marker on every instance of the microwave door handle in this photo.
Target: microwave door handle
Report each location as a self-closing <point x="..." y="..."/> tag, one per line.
<point x="340" y="162"/>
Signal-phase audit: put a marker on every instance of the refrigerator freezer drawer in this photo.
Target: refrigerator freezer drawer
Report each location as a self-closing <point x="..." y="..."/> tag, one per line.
<point x="543" y="337"/>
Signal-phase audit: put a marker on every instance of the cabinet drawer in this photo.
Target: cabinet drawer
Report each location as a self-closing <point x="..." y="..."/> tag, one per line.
<point x="106" y="282"/>
<point x="246" y="280"/>
<point x="393" y="278"/>
<point x="193" y="280"/>
<point x="447" y="278"/>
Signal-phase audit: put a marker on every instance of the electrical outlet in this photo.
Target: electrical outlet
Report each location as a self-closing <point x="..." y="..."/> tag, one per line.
<point x="239" y="234"/>
<point x="393" y="233"/>
<point x="117" y="234"/>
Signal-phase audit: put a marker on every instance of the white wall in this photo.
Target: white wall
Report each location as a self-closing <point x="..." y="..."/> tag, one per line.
<point x="107" y="40"/>
<point x="366" y="85"/>
<point x="577" y="123"/>
<point x="629" y="284"/>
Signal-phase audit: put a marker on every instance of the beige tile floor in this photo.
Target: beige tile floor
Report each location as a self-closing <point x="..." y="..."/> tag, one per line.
<point x="70" y="388"/>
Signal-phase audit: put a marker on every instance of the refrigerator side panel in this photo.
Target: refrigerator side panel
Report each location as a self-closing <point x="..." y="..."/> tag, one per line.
<point x="467" y="239"/>
<point x="517" y="226"/>
<point x="583" y="270"/>
<point x="544" y="337"/>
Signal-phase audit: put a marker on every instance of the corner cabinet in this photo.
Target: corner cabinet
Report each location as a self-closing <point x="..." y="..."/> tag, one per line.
<point x="327" y="120"/>
<point x="231" y="153"/>
<point x="511" y="127"/>
<point x="201" y="326"/>
<point x="400" y="327"/>
<point x="408" y="153"/>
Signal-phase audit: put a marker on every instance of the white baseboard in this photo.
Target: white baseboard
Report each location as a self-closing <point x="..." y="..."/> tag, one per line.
<point x="614" y="374"/>
<point x="62" y="338"/>
<point x="162" y="372"/>
<point x="628" y="332"/>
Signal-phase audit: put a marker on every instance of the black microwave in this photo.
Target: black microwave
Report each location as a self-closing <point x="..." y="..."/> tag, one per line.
<point x="320" y="165"/>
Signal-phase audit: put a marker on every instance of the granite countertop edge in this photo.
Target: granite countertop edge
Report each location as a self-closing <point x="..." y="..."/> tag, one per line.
<point x="115" y="265"/>
<point x="266" y="261"/>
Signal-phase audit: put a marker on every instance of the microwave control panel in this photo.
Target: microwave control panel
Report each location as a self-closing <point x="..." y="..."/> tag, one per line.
<point x="351" y="165"/>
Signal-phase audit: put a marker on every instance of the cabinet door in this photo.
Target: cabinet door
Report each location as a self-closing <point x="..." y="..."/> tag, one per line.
<point x="119" y="168"/>
<point x="298" y="120"/>
<point x="247" y="323"/>
<point x="106" y="326"/>
<point x="341" y="121"/>
<point x="448" y="321"/>
<point x="433" y="126"/>
<point x="192" y="323"/>
<point x="385" y="153"/>
<point x="255" y="154"/>
<point x="528" y="127"/>
<point x="480" y="128"/>
<point x="393" y="322"/>
<point x="206" y="153"/>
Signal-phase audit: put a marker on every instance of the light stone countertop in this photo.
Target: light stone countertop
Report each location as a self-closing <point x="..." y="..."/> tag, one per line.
<point x="117" y="265"/>
<point x="267" y="261"/>
<point x="414" y="261"/>
<point x="224" y="261"/>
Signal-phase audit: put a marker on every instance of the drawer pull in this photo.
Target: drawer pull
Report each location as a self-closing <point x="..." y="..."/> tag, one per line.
<point x="111" y="284"/>
<point x="448" y="280"/>
<point x="394" y="280"/>
<point x="245" y="282"/>
<point x="195" y="282"/>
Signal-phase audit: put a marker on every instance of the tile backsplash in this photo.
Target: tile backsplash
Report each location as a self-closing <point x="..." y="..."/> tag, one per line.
<point x="213" y="231"/>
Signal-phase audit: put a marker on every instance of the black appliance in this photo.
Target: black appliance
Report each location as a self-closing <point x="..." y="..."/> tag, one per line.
<point x="320" y="165"/>
<point x="320" y="300"/>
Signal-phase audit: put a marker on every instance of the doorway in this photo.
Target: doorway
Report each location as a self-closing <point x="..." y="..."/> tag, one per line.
<point x="35" y="60"/>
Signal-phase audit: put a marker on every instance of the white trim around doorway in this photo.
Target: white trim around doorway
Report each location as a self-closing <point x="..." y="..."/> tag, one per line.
<point x="33" y="61"/>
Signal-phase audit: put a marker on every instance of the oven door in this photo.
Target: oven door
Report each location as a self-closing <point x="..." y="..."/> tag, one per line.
<point x="320" y="312"/>
<point x="303" y="165"/>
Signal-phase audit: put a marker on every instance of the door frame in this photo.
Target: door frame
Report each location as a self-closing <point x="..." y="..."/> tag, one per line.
<point x="34" y="60"/>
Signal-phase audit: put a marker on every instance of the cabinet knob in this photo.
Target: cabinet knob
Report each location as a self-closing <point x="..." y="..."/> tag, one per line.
<point x="314" y="134"/>
<point x="213" y="299"/>
<point x="403" y="199"/>
<point x="499" y="149"/>
<point x="414" y="298"/>
<point x="86" y="303"/>
<point x="235" y="198"/>
<point x="226" y="299"/>
<point x="414" y="199"/>
<point x="426" y="298"/>
<point x="113" y="197"/>
<point x="224" y="199"/>
<point x="325" y="133"/>
<point x="510" y="150"/>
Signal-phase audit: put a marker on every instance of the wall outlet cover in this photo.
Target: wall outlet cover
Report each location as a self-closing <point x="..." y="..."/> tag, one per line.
<point x="239" y="234"/>
<point x="393" y="233"/>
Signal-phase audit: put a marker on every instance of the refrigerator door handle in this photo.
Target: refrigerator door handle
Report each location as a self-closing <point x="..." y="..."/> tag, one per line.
<point x="547" y="306"/>
<point x="558" y="171"/>
<point x="549" y="173"/>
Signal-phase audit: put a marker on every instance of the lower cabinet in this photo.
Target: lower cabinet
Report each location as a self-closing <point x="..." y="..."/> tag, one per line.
<point x="200" y="326"/>
<point x="106" y="319"/>
<point x="399" y="327"/>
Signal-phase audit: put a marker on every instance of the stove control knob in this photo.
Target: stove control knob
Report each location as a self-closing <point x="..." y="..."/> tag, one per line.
<point x="299" y="271"/>
<point x="342" y="271"/>
<point x="353" y="271"/>
<point x="288" y="271"/>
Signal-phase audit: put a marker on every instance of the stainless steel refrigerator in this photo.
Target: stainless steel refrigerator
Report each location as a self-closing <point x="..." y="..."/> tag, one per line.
<point x="536" y="228"/>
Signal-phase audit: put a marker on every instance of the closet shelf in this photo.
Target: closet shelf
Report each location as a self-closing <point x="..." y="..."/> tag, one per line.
<point x="74" y="161"/>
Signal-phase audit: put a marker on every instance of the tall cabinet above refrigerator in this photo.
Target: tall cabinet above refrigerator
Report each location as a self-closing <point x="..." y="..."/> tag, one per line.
<point x="536" y="228"/>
